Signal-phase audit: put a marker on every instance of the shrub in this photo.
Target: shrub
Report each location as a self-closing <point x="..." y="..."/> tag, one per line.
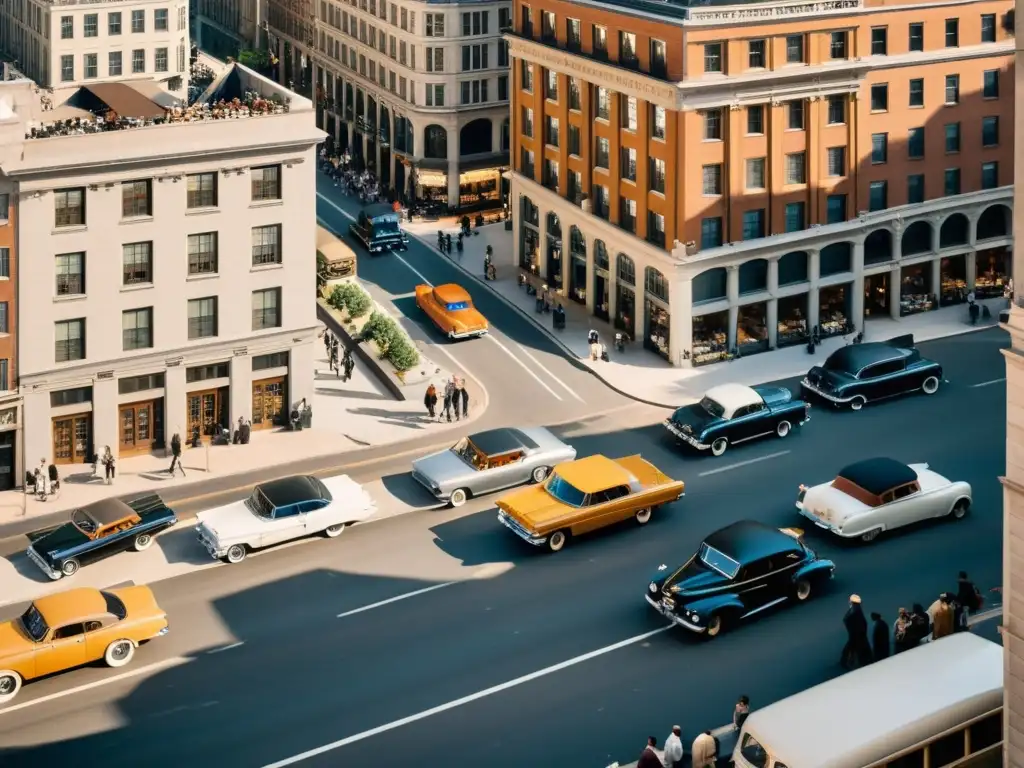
<point x="339" y="296"/>
<point x="375" y="329"/>
<point x="357" y="301"/>
<point x="402" y="354"/>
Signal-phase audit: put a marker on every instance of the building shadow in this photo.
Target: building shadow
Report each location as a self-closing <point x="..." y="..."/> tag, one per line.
<point x="395" y="418"/>
<point x="181" y="545"/>
<point x="406" y="490"/>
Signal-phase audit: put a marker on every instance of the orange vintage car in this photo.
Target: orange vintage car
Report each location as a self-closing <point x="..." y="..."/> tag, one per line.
<point x="76" y="627"/>
<point x="451" y="309"/>
<point x="584" y="495"/>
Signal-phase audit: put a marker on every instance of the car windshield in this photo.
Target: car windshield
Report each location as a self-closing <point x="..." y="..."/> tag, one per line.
<point x="387" y="225"/>
<point x="719" y="562"/>
<point x="83" y="522"/>
<point x="259" y="505"/>
<point x="563" y="491"/>
<point x="466" y="451"/>
<point x="712" y="407"/>
<point x="457" y="306"/>
<point x="34" y="623"/>
<point x="114" y="605"/>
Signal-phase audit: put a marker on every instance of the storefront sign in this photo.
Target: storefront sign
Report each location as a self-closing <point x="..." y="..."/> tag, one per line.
<point x="477" y="177"/>
<point x="8" y="417"/>
<point x="431" y="179"/>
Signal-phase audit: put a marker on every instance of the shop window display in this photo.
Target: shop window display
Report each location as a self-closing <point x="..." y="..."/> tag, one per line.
<point x="602" y="280"/>
<point x="915" y="284"/>
<point x="877" y="295"/>
<point x="953" y="280"/>
<point x="993" y="272"/>
<point x="792" y="320"/>
<point x="834" y="310"/>
<point x="554" y="262"/>
<point x="710" y="338"/>
<point x="529" y="250"/>
<point x="752" y="328"/>
<point x="657" y="331"/>
<point x="625" y="310"/>
<point x="577" y="266"/>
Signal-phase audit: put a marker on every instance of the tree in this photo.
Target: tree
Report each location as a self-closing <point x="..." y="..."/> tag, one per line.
<point x="257" y="60"/>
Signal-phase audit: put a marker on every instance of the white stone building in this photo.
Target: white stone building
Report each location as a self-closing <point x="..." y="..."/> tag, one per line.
<point x="65" y="44"/>
<point x="171" y="267"/>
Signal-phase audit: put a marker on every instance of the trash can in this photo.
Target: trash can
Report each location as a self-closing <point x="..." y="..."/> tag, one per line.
<point x="295" y="421"/>
<point x="306" y="420"/>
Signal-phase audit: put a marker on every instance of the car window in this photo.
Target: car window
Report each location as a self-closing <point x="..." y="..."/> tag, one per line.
<point x="611" y="494"/>
<point x="92" y="626"/>
<point x="290" y="510"/>
<point x="70" y="630"/>
<point x="904" y="490"/>
<point x="741" y="411"/>
<point x="753" y="752"/>
<point x="756" y="570"/>
<point x="881" y="369"/>
<point x="456" y="306"/>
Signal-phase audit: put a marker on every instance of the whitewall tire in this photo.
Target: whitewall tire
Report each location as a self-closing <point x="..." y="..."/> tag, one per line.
<point x="930" y="385"/>
<point x="803" y="590"/>
<point x="556" y="541"/>
<point x="69" y="567"/>
<point x="858" y="402"/>
<point x="334" y="531"/>
<point x="236" y="553"/>
<point x="714" y="626"/>
<point x="10" y="684"/>
<point x="871" y="535"/>
<point x="459" y="497"/>
<point x="960" y="509"/>
<point x="119" y="653"/>
<point x="783" y="429"/>
<point x="539" y="474"/>
<point x="643" y="516"/>
<point x="719" y="446"/>
<point x="142" y="542"/>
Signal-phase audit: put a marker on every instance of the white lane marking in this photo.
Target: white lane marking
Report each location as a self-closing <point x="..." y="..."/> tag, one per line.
<point x="525" y="367"/>
<point x="554" y="378"/>
<point x="336" y="207"/>
<point x="409" y="295"/>
<point x="177" y="661"/>
<point x="413" y="270"/>
<point x="738" y="464"/>
<point x="395" y="599"/>
<point x="988" y="383"/>
<point x="466" y="699"/>
<point x="992" y="613"/>
<point x="226" y="647"/>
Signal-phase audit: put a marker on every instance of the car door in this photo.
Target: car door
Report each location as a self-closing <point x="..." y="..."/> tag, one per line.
<point x="287" y="523"/>
<point x="320" y="514"/>
<point x="618" y="505"/>
<point x="752" y="584"/>
<point x="66" y="648"/>
<point x="751" y="422"/>
<point x="504" y="471"/>
<point x="97" y="638"/>
<point x="590" y="516"/>
<point x="109" y="541"/>
<point x="905" y="505"/>
<point x="886" y="379"/>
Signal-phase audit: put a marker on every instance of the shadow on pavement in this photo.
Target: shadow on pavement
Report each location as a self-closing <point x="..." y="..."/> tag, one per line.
<point x="27" y="569"/>
<point x="181" y="545"/>
<point x="395" y="418"/>
<point x="406" y="490"/>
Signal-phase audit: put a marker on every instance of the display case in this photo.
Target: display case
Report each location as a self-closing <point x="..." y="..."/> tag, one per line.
<point x="710" y="339"/>
<point x="752" y="329"/>
<point x="792" y="321"/>
<point x="952" y="281"/>
<point x="914" y="303"/>
<point x="834" y="311"/>
<point x="657" y="337"/>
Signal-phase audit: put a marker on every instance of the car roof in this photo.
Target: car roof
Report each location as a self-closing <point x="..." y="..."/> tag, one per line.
<point x="70" y="606"/>
<point x="733" y="396"/>
<point x="876" y="476"/>
<point x="108" y="511"/>
<point x="291" y="490"/>
<point x="747" y="540"/>
<point x="856" y="357"/>
<point x="378" y="209"/>
<point x="450" y="293"/>
<point x="493" y="442"/>
<point x="594" y="473"/>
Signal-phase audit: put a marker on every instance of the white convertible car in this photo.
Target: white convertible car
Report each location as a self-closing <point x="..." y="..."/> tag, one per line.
<point x="283" y="510"/>
<point x="877" y="495"/>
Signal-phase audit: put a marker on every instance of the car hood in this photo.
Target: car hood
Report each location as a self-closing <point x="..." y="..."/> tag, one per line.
<point x="60" y="539"/>
<point x="231" y="521"/>
<point x="693" y="582"/>
<point x="693" y="418"/>
<point x="12" y="640"/>
<point x="468" y="319"/>
<point x="832" y="506"/>
<point x="441" y="467"/>
<point x="534" y="507"/>
<point x="139" y="601"/>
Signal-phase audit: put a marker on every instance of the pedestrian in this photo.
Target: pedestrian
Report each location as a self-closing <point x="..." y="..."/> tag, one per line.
<point x="430" y="400"/>
<point x="464" y="398"/>
<point x="942" y="619"/>
<point x="348" y="363"/>
<point x="449" y="394"/>
<point x="741" y="712"/>
<point x="327" y="342"/>
<point x="650" y="758"/>
<point x="920" y="625"/>
<point x="672" y="757"/>
<point x="968" y="598"/>
<point x="857" y="651"/>
<point x="176" y="456"/>
<point x="902" y="632"/>
<point x="704" y="752"/>
<point x="879" y="637"/>
<point x="108" y="465"/>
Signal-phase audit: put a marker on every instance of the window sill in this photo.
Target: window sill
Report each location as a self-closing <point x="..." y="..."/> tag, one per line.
<point x="631" y="182"/>
<point x="266" y="203"/>
<point x="204" y="211"/>
<point x="135" y="287"/>
<point x="983" y="98"/>
<point x="203" y="276"/>
<point x="880" y="111"/>
<point x="69" y="229"/>
<point x="551" y="146"/>
<point x="658" y="193"/>
<point x="148" y="219"/>
<point x="203" y="338"/>
<point x="759" y="134"/>
<point x="267" y="328"/>
<point x="70" y="298"/>
<point x="915" y="106"/>
<point x="794" y="130"/>
<point x="711" y="141"/>
<point x="266" y="267"/>
<point x="658" y="138"/>
<point x="951" y="104"/>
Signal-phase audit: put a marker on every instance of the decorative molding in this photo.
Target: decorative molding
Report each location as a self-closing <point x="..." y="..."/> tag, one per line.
<point x="770" y="13"/>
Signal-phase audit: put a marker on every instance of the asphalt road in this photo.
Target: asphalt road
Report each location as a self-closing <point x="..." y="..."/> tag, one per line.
<point x="259" y="667"/>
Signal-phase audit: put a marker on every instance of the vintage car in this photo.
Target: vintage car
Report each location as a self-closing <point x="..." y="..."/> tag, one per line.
<point x="76" y="627"/>
<point x="737" y="572"/>
<point x="378" y="229"/>
<point x="857" y="374"/>
<point x="283" y="510"/>
<point x="99" y="530"/>
<point x="877" y="495"/>
<point x="732" y="413"/>
<point x="451" y="309"/>
<point x="491" y="461"/>
<point x="584" y="495"/>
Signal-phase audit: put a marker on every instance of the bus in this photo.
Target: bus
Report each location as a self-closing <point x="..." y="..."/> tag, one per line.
<point x="938" y="705"/>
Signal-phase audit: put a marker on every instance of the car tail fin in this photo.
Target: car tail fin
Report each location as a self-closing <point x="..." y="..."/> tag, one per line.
<point x="796" y="533"/>
<point x="903" y="342"/>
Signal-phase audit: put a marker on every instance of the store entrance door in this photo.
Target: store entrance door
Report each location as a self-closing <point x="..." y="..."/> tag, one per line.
<point x="139" y="427"/>
<point x="207" y="412"/>
<point x="72" y="438"/>
<point x="268" y="402"/>
<point x="877" y="295"/>
<point x="7" y="460"/>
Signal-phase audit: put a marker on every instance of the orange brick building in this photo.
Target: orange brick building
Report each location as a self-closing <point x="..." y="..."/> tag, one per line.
<point x="11" y="462"/>
<point x="722" y="177"/>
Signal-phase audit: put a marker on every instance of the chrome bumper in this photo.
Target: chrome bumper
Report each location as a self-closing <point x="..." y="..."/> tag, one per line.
<point x="210" y="545"/>
<point x="435" y="491"/>
<point x="824" y="395"/>
<point x="818" y="521"/>
<point x="686" y="438"/>
<point x="467" y="334"/>
<point x="521" y="532"/>
<point x="36" y="558"/>
<point x="656" y="605"/>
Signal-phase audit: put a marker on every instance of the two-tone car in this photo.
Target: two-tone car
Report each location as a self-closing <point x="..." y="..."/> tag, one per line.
<point x="877" y="495"/>
<point x="76" y="627"/>
<point x="490" y="461"/>
<point x="283" y="510"/>
<point x="738" y="572"/>
<point x="733" y="413"/>
<point x="450" y="308"/>
<point x="584" y="495"/>
<point x="858" y="374"/>
<point x="98" y="530"/>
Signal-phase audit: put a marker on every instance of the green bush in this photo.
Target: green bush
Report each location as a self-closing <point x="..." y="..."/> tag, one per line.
<point x="402" y="354"/>
<point x="357" y="301"/>
<point x="376" y="329"/>
<point x="339" y="296"/>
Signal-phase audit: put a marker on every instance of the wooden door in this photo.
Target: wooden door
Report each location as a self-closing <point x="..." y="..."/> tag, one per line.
<point x="203" y="412"/>
<point x="72" y="438"/>
<point x="268" y="402"/>
<point x="136" y="428"/>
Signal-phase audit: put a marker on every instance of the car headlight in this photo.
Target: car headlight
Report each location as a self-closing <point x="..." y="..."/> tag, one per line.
<point x="653" y="588"/>
<point x="695" y="618"/>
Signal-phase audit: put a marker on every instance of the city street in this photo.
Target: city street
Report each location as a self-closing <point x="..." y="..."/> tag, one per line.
<point x="436" y="632"/>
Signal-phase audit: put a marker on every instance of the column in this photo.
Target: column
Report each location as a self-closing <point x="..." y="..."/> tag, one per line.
<point x="857" y="300"/>
<point x="732" y="290"/>
<point x="174" y="406"/>
<point x="591" y="298"/>
<point x="301" y="364"/>
<point x="37" y="428"/>
<point x="515" y="204"/>
<point x="105" y="415"/>
<point x="680" y="306"/>
<point x="894" y="292"/>
<point x="936" y="279"/>
<point x="542" y="248"/>
<point x="773" y="303"/>
<point x="281" y="73"/>
<point x="936" y="225"/>
<point x="971" y="265"/>
<point x="814" y="278"/>
<point x="240" y="390"/>
<point x="453" y="166"/>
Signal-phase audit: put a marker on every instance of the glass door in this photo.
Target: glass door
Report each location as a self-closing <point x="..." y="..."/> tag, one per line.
<point x="136" y="428"/>
<point x="72" y="438"/>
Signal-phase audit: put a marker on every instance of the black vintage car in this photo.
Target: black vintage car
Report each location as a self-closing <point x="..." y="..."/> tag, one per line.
<point x="856" y="374"/>
<point x="99" y="530"/>
<point x="733" y="413"/>
<point x="378" y="229"/>
<point x="737" y="572"/>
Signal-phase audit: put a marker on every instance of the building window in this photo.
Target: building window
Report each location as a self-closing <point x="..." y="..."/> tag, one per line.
<point x="138" y="22"/>
<point x="599" y="42"/>
<point x="67" y="68"/>
<point x="753" y="224"/>
<point x="627" y="164"/>
<point x="916" y="92"/>
<point x="208" y="372"/>
<point x="755" y="173"/>
<point x="91" y="24"/>
<point x="711" y="232"/>
<point x="202" y="254"/>
<point x="160" y="63"/>
<point x="573" y="39"/>
<point x="990" y="84"/>
<point x="266" y="309"/>
<point x="879" y="41"/>
<point x="796" y="168"/>
<point x="272" y="360"/>
<point x="114" y="64"/>
<point x="202" y="190"/>
<point x="527" y="122"/>
<point x="755" y="119"/>
<point x="756" y="54"/>
<point x="657" y="122"/>
<point x="837" y="46"/>
<point x="795" y="115"/>
<point x="69" y="340"/>
<point x="915" y="143"/>
<point x="916" y="41"/>
<point x="70" y="271"/>
<point x="603" y="102"/>
<point x="202" y="318"/>
<point x="835" y="209"/>
<point x="627" y="50"/>
<point x="266" y="245"/>
<point x="5" y="262"/>
<point x="989" y="175"/>
<point x="551" y="131"/>
<point x="656" y="229"/>
<point x="879" y="147"/>
<point x="952" y="137"/>
<point x="712" y="179"/>
<point x="476" y="23"/>
<point x="137" y="328"/>
<point x="5" y="375"/>
<point x="952" y="89"/>
<point x="67" y="28"/>
<point x="574" y="94"/>
<point x="915" y="188"/>
<point x="988" y="27"/>
<point x="526" y="75"/>
<point x="69" y="207"/>
<point x="627" y="214"/>
<point x="712" y="57"/>
<point x="526" y="160"/>
<point x="132" y="384"/>
<point x="574" y="140"/>
<point x="91" y="66"/>
<point x="502" y="88"/>
<point x="602" y="157"/>
<point x="951" y="181"/>
<point x="266" y="182"/>
<point x="836" y="109"/>
<point x="952" y="33"/>
<point x="136" y="199"/>
<point x="659" y="59"/>
<point x="836" y="157"/>
<point x="713" y="125"/>
<point x="794" y="49"/>
<point x="796" y="217"/>
<point x="138" y="61"/>
<point x="160" y="20"/>
<point x="551" y="85"/>
<point x="114" y="23"/>
<point x="990" y="132"/>
<point x="475" y="57"/>
<point x="600" y="197"/>
<point x="880" y="97"/>
<point x="878" y="196"/>
<point x="435" y="59"/>
<point x="137" y="260"/>
<point x="657" y="175"/>
<point x="628" y="110"/>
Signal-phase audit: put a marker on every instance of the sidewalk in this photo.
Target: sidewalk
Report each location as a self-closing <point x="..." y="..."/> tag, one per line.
<point x="643" y="375"/>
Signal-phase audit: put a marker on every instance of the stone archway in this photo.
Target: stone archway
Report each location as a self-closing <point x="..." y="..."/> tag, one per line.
<point x="995" y="221"/>
<point x="476" y="138"/>
<point x="435" y="142"/>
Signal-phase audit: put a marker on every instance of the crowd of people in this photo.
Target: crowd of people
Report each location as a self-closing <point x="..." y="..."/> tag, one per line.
<point x="360" y="182"/>
<point x="454" y="400"/>
<point x="704" y="752"/>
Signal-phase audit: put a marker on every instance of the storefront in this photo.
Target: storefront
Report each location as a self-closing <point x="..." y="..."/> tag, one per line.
<point x="577" y="267"/>
<point x="72" y="438"/>
<point x="834" y="309"/>
<point x="432" y="186"/>
<point x="993" y="272"/>
<point x="529" y="249"/>
<point x="752" y="328"/>
<point x="602" y="281"/>
<point x="953" y="280"/>
<point x="270" y="402"/>
<point x="710" y="338"/>
<point x="8" y="449"/>
<point x="877" y="295"/>
<point x="792" y="320"/>
<point x="140" y="427"/>
<point x="206" y="412"/>
<point x="915" y="287"/>
<point x="657" y="329"/>
<point x="480" y="188"/>
<point x="554" y="253"/>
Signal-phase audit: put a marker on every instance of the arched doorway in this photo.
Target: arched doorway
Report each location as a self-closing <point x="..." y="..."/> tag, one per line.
<point x="602" y="280"/>
<point x="577" y="265"/>
<point x="435" y="142"/>
<point x="625" y="295"/>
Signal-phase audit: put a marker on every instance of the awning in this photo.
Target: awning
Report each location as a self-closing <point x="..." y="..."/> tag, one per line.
<point x="125" y="100"/>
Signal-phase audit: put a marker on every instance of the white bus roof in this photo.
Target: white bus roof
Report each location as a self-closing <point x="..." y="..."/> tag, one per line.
<point x="866" y="715"/>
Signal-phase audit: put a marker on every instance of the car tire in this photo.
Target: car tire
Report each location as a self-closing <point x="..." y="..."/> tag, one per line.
<point x="119" y="653"/>
<point x="858" y="402"/>
<point x="236" y="553"/>
<point x="10" y="684"/>
<point x="69" y="567"/>
<point x="539" y="474"/>
<point x="871" y="535"/>
<point x="803" y="590"/>
<point x="719" y="446"/>
<point x="643" y="516"/>
<point x="960" y="509"/>
<point x="459" y="497"/>
<point x="557" y="541"/>
<point x="930" y="385"/>
<point x="715" y="625"/>
<point x="142" y="542"/>
<point x="783" y="429"/>
<point x="334" y="531"/>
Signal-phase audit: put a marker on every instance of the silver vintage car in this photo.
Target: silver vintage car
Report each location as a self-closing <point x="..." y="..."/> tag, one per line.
<point x="491" y="461"/>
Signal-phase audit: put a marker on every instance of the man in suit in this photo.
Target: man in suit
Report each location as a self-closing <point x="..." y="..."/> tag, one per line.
<point x="650" y="758"/>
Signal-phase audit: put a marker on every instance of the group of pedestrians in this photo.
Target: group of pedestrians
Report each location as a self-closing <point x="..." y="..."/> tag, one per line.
<point x="344" y="367"/>
<point x="704" y="753"/>
<point x="454" y="400"/>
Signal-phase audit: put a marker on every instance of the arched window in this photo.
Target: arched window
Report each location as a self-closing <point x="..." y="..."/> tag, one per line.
<point x="655" y="284"/>
<point x="626" y="269"/>
<point x="475" y="138"/>
<point x="435" y="142"/>
<point x="554" y="225"/>
<point x="600" y="255"/>
<point x="577" y="243"/>
<point x="710" y="285"/>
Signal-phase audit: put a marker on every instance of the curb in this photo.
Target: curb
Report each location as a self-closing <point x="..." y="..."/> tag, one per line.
<point x="367" y="359"/>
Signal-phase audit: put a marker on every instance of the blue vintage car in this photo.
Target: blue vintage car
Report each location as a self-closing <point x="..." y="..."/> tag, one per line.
<point x="737" y="572"/>
<point x="733" y="413"/>
<point x="378" y="229"/>
<point x="99" y="530"/>
<point x="857" y="374"/>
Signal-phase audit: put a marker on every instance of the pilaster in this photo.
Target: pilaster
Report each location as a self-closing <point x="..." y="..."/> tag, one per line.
<point x="542" y="244"/>
<point x="174" y="404"/>
<point x="732" y="286"/>
<point x="105" y="415"/>
<point x="680" y="294"/>
<point x="591" y="293"/>
<point x="813" y="292"/>
<point x="453" y="167"/>
<point x="734" y="163"/>
<point x="971" y="266"/>
<point x="935" y="288"/>
<point x="894" y="292"/>
<point x="241" y="390"/>
<point x="773" y="323"/>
